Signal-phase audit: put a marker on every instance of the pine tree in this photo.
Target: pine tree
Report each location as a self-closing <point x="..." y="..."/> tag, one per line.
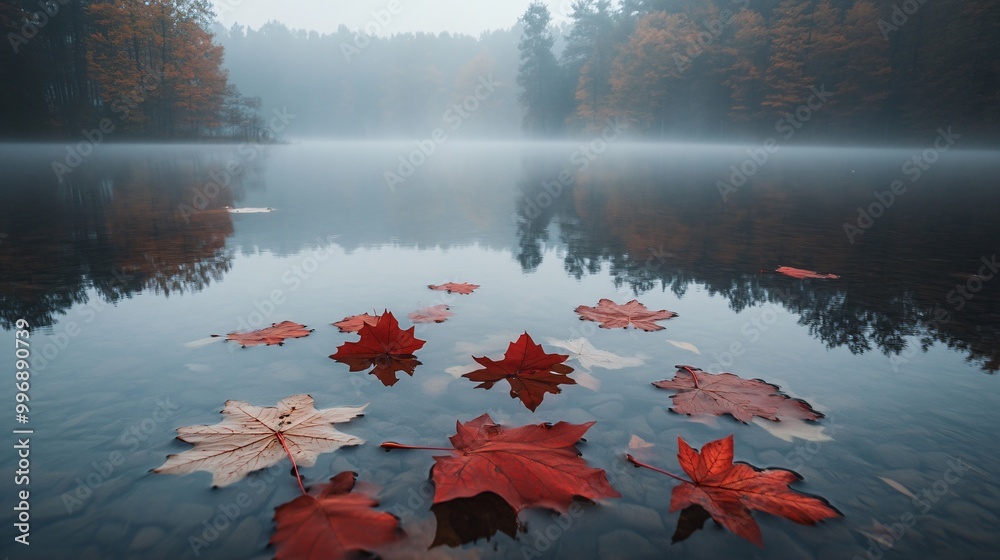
<point x="538" y="72"/>
<point x="587" y="59"/>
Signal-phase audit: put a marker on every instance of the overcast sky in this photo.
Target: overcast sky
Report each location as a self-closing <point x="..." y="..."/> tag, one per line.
<point x="456" y="16"/>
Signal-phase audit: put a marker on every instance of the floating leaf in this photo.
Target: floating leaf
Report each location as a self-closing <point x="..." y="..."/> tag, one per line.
<point x="452" y="287"/>
<point x="254" y="437"/>
<point x="530" y="372"/>
<point x="432" y="314"/>
<point x="275" y="334"/>
<point x="790" y="429"/>
<point x="635" y="443"/>
<point x="611" y="315"/>
<point x="529" y="466"/>
<point x="729" y="491"/>
<point x="802" y="273"/>
<point x="685" y="346"/>
<point x="898" y="487"/>
<point x="354" y="323"/>
<point x="383" y="347"/>
<point x="587" y="356"/>
<point x="699" y="392"/>
<point x="332" y="523"/>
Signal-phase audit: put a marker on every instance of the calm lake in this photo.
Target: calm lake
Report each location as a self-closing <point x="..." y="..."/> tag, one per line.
<point x="128" y="262"/>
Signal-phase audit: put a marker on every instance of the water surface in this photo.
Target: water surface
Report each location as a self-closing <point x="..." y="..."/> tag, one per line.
<point x="127" y="264"/>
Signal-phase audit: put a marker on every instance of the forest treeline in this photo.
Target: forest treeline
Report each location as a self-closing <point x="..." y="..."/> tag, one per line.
<point x="822" y="69"/>
<point x="132" y="68"/>
<point x="818" y="70"/>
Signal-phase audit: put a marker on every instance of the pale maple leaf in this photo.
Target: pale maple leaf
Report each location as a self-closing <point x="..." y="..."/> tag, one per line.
<point x="255" y="437"/>
<point x="588" y="357"/>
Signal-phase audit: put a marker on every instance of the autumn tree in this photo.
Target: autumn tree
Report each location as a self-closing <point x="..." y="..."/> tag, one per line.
<point x="746" y="66"/>
<point x="791" y="44"/>
<point x="538" y="72"/>
<point x="647" y="84"/>
<point x="852" y="60"/>
<point x="588" y="56"/>
<point x="156" y="66"/>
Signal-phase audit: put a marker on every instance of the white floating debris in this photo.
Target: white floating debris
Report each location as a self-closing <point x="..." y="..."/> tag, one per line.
<point x="249" y="210"/>
<point x="201" y="342"/>
<point x="459" y="371"/>
<point x="788" y="429"/>
<point x="685" y="346"/>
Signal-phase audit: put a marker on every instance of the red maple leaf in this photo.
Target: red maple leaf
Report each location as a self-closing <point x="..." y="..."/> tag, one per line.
<point x="332" y="523"/>
<point x="728" y="491"/>
<point x="385" y="346"/>
<point x="354" y="323"/>
<point x="529" y="370"/>
<point x="432" y="314"/>
<point x="536" y="465"/>
<point x="452" y="287"/>
<point x="699" y="392"/>
<point x="802" y="273"/>
<point x="612" y="315"/>
<point x="275" y="334"/>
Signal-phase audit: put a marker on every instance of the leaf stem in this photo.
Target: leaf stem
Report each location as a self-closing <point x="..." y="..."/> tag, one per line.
<point x="295" y="468"/>
<point x="639" y="463"/>
<point x="394" y="445"/>
<point x="693" y="376"/>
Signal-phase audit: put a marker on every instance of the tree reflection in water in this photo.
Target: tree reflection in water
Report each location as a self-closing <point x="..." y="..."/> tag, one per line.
<point x="117" y="226"/>
<point x="660" y="223"/>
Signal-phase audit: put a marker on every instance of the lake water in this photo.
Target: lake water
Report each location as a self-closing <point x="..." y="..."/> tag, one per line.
<point x="129" y="262"/>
